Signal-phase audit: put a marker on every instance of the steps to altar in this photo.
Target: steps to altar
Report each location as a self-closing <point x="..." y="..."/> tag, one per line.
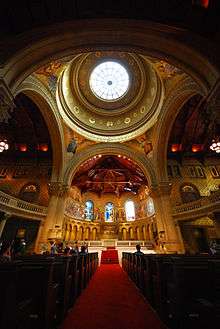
<point x="109" y="256"/>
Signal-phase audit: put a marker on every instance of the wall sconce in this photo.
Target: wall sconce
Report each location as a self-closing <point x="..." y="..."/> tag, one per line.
<point x="22" y="147"/>
<point x="43" y="147"/>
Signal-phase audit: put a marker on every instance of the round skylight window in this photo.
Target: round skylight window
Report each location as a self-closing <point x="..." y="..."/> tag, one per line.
<point x="109" y="81"/>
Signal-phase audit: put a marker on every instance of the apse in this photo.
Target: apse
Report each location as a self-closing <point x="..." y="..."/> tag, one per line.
<point x="104" y="174"/>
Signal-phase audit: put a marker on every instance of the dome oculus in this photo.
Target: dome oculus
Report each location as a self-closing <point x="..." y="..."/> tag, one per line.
<point x="109" y="81"/>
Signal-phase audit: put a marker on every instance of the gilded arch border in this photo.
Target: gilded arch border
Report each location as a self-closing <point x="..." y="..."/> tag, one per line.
<point x="34" y="89"/>
<point x="110" y="149"/>
<point x="170" y="110"/>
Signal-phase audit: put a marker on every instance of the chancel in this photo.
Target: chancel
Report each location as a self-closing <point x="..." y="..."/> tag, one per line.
<point x="110" y="142"/>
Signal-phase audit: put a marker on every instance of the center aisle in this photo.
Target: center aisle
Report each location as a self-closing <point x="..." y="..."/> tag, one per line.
<point x="111" y="301"/>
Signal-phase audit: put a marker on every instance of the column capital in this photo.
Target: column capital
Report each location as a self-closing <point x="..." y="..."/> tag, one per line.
<point x="163" y="188"/>
<point x="58" y="189"/>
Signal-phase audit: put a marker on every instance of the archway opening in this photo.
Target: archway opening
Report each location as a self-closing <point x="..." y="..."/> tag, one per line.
<point x="113" y="189"/>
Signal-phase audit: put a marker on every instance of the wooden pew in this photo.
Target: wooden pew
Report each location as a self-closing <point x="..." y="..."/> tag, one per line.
<point x="188" y="293"/>
<point x="38" y="290"/>
<point x="73" y="269"/>
<point x="30" y="296"/>
<point x="214" y="286"/>
<point x="63" y="278"/>
<point x="178" y="287"/>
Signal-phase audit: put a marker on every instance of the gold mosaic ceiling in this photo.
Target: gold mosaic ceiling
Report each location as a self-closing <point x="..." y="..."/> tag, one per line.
<point x="112" y="121"/>
<point x="108" y="121"/>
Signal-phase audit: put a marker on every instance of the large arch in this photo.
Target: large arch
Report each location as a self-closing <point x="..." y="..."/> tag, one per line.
<point x="170" y="110"/>
<point x="181" y="48"/>
<point x="110" y="149"/>
<point x="34" y="89"/>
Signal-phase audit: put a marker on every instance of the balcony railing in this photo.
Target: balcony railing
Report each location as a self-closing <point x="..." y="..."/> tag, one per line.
<point x="198" y="208"/>
<point x="15" y="206"/>
<point x="202" y="206"/>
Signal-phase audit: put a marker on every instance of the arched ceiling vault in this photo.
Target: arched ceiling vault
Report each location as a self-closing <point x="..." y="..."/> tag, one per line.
<point x="45" y="102"/>
<point x="110" y="149"/>
<point x="171" y="108"/>
<point x="179" y="47"/>
<point x="28" y="52"/>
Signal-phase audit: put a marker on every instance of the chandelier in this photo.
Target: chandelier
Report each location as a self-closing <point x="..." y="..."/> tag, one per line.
<point x="4" y="145"/>
<point x="215" y="146"/>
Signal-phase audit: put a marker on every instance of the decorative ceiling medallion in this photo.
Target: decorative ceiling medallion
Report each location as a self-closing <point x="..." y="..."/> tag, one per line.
<point x="133" y="110"/>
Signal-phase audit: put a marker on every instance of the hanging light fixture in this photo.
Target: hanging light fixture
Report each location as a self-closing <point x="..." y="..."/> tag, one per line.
<point x="215" y="145"/>
<point x="4" y="145"/>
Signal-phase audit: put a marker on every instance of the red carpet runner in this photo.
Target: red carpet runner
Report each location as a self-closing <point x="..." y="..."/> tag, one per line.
<point x="109" y="256"/>
<point x="111" y="301"/>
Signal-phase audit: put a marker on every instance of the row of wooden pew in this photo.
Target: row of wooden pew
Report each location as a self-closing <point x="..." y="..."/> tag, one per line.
<point x="184" y="290"/>
<point x="37" y="291"/>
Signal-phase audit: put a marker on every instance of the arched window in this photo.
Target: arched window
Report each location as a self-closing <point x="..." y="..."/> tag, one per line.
<point x="189" y="193"/>
<point x="109" y="212"/>
<point x="130" y="210"/>
<point x="30" y="192"/>
<point x="89" y="210"/>
<point x="150" y="207"/>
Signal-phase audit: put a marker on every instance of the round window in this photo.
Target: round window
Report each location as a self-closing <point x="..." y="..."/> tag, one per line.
<point x="109" y="81"/>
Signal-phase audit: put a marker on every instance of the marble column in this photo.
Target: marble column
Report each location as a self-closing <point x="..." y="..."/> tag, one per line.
<point x="124" y="234"/>
<point x="144" y="233"/>
<point x="53" y="225"/>
<point x="167" y="231"/>
<point x="216" y="220"/>
<point x="3" y="221"/>
<point x="37" y="245"/>
<point x="138" y="234"/>
<point x="94" y="234"/>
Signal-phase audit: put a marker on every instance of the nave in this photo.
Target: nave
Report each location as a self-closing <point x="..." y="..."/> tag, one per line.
<point x="111" y="301"/>
<point x="72" y="292"/>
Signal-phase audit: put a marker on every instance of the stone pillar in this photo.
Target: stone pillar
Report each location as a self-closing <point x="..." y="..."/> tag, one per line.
<point x="94" y="234"/>
<point x="216" y="220"/>
<point x="144" y="233"/>
<point x="74" y="233"/>
<point x="124" y="234"/>
<point x="131" y="233"/>
<point x="78" y="234"/>
<point x="182" y="250"/>
<point x="87" y="233"/>
<point x="167" y="231"/>
<point x="66" y="233"/>
<point x="2" y="225"/>
<point x="3" y="221"/>
<point x="37" y="246"/>
<point x="53" y="226"/>
<point x="138" y="234"/>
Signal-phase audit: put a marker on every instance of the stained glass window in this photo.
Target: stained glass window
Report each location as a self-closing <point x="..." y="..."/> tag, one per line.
<point x="89" y="210"/>
<point x="109" y="212"/>
<point x="150" y="207"/>
<point x="130" y="210"/>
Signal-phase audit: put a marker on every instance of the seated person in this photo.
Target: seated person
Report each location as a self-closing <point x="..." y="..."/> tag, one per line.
<point x="138" y="250"/>
<point x="75" y="249"/>
<point x="83" y="250"/>
<point x="66" y="251"/>
<point x="5" y="252"/>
